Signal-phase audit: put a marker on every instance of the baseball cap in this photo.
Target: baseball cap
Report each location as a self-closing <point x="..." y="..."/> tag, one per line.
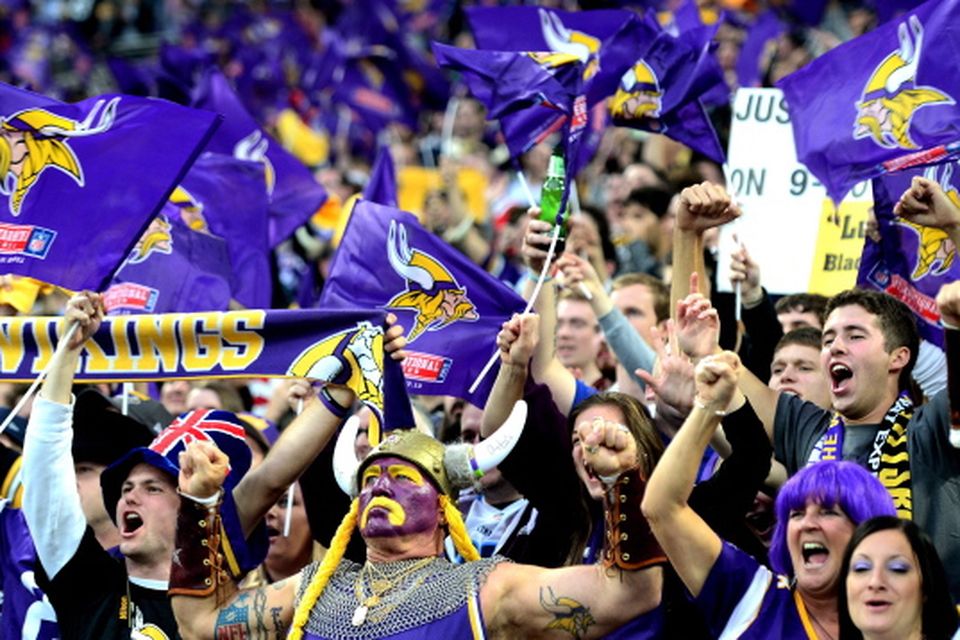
<point x="223" y="428"/>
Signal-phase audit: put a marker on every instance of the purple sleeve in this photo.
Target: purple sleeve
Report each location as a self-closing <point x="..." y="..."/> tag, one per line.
<point x="727" y="586"/>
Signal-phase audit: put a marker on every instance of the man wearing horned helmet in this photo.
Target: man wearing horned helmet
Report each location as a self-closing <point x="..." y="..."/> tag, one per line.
<point x="406" y="588"/>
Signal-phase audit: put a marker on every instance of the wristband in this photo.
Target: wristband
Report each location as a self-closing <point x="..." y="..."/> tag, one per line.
<point x="206" y="502"/>
<point x="332" y="405"/>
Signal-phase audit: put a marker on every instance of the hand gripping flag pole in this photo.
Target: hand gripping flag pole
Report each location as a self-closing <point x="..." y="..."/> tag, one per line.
<point x="62" y="345"/>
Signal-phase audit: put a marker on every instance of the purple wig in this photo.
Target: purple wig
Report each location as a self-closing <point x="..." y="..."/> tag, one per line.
<point x="845" y="484"/>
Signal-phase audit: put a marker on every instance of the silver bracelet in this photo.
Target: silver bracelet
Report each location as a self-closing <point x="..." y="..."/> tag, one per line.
<point x="698" y="403"/>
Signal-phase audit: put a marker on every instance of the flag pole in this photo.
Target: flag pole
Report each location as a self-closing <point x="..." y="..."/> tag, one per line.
<point x="72" y="329"/>
<point x="288" y="514"/>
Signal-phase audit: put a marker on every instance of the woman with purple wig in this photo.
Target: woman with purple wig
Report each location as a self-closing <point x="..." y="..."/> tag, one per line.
<point x="817" y="511"/>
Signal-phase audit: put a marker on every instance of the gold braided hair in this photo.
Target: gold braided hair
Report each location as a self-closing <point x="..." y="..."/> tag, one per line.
<point x="338" y="545"/>
<point x="458" y="530"/>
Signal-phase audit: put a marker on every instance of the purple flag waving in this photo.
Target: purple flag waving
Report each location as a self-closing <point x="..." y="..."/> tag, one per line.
<point x="452" y="309"/>
<point x="227" y="197"/>
<point x="382" y="187"/>
<point x="82" y="181"/>
<point x="882" y="102"/>
<point x="911" y="262"/>
<point x="294" y="194"/>
<point x="173" y="268"/>
<point x="510" y="84"/>
<point x="661" y="92"/>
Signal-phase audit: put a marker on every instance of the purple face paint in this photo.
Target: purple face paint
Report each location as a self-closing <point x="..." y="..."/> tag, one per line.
<point x="396" y="499"/>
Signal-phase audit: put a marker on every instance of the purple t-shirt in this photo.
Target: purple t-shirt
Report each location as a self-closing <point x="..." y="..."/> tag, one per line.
<point x="743" y="599"/>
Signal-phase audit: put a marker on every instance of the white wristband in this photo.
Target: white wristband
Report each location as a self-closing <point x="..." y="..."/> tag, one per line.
<point x="206" y="502"/>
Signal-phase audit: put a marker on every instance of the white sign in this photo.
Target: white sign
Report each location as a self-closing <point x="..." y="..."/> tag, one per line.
<point x="786" y="211"/>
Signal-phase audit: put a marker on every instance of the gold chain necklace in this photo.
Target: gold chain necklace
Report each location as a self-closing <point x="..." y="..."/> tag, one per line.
<point x="380" y="586"/>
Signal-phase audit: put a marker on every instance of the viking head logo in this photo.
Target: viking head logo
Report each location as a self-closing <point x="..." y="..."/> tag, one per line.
<point x="156" y="239"/>
<point x="578" y="44"/>
<point x="432" y="292"/>
<point x="34" y="140"/>
<point x="935" y="251"/>
<point x="353" y="358"/>
<point x="639" y="95"/>
<point x="891" y="96"/>
<point x="191" y="210"/>
<point x="254" y="148"/>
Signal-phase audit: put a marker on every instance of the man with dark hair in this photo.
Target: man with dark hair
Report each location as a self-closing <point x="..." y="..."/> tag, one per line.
<point x="801" y="310"/>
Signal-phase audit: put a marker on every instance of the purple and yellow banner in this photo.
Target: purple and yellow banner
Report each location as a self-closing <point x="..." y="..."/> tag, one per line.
<point x="342" y="347"/>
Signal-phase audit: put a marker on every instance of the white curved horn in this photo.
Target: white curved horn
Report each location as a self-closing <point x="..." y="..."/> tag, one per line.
<point x="345" y="463"/>
<point x="494" y="449"/>
<point x="399" y="255"/>
<point x="910" y="49"/>
<point x="558" y="38"/>
<point x="945" y="177"/>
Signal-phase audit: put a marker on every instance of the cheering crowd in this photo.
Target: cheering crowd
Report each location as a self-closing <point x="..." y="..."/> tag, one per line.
<point x="649" y="458"/>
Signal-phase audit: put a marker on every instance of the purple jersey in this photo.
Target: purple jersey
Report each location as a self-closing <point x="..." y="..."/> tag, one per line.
<point x="743" y="599"/>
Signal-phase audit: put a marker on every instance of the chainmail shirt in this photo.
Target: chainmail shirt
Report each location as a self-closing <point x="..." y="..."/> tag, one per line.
<point x="420" y="597"/>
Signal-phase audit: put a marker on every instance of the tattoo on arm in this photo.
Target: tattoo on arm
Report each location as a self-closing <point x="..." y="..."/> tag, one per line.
<point x="569" y="615"/>
<point x="259" y="604"/>
<point x="278" y="624"/>
<point x="234" y="621"/>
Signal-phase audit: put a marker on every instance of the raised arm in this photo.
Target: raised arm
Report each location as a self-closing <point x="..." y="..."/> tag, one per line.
<point x="51" y="502"/>
<point x="587" y="601"/>
<point x="699" y="208"/>
<point x="545" y="367"/>
<point x="698" y="328"/>
<point x="517" y="340"/>
<point x="301" y="442"/>
<point x="205" y="601"/>
<point x="948" y="302"/>
<point x="691" y="545"/>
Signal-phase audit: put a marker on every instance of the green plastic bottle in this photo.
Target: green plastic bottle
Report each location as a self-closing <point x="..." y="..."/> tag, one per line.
<point x="552" y="193"/>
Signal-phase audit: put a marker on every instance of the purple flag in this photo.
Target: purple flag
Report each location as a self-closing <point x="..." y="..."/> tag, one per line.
<point x="227" y="197"/>
<point x="912" y="262"/>
<point x="767" y="27"/>
<point x="661" y="92"/>
<point x="294" y="194"/>
<point x="510" y="83"/>
<point x="882" y="102"/>
<point x="82" y="181"/>
<point x="887" y="10"/>
<point x="382" y="186"/>
<point x="173" y="268"/>
<point x="25" y="607"/>
<point x="451" y="309"/>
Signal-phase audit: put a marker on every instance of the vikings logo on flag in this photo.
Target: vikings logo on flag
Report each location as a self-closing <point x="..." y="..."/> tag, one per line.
<point x="935" y="249"/>
<point x="34" y="140"/>
<point x="639" y="94"/>
<point x="447" y="304"/>
<point x="353" y="358"/>
<point x="872" y="106"/>
<point x="892" y="95"/>
<point x="254" y="148"/>
<point x="191" y="210"/>
<point x="432" y="293"/>
<point x="570" y="42"/>
<point x="106" y="164"/>
<point x="156" y="239"/>
<point x="911" y="262"/>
